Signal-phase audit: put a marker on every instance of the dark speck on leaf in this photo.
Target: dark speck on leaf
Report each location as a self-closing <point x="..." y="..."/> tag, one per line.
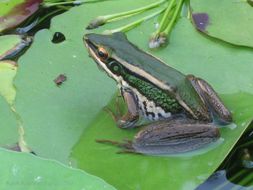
<point x="201" y="20"/>
<point x="60" y="79"/>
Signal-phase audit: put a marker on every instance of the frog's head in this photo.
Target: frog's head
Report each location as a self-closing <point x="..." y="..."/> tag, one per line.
<point x="109" y="51"/>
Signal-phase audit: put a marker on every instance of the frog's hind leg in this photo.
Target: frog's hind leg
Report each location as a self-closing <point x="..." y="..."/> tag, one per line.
<point x="209" y="96"/>
<point x="174" y="136"/>
<point x="169" y="137"/>
<point x="129" y="119"/>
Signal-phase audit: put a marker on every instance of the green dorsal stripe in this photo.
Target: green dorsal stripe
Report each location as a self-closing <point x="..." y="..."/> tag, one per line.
<point x="153" y="93"/>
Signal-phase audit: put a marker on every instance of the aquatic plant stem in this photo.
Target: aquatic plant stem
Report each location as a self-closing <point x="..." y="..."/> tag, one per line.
<point x="246" y="180"/>
<point x="71" y="3"/>
<point x="100" y="20"/>
<point x="45" y="4"/>
<point x="174" y="17"/>
<point x="160" y="37"/>
<point x="133" y="24"/>
<point x="165" y="16"/>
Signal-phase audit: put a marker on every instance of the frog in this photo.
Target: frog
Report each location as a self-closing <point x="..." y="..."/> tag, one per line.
<point x="184" y="110"/>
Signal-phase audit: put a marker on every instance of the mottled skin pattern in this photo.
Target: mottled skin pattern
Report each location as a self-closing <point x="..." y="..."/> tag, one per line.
<point x="152" y="93"/>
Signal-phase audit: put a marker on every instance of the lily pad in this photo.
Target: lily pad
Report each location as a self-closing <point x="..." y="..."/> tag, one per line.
<point x="42" y="174"/>
<point x="57" y="115"/>
<point x="54" y="117"/>
<point x="8" y="71"/>
<point x="8" y="125"/>
<point x="227" y="20"/>
<point x="14" y="12"/>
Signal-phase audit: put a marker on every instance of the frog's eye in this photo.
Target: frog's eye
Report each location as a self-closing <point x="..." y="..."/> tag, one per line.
<point x="102" y="53"/>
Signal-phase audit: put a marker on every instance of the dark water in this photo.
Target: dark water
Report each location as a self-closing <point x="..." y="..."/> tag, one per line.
<point x="236" y="172"/>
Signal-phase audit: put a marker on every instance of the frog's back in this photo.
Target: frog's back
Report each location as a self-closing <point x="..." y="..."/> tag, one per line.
<point x="152" y="70"/>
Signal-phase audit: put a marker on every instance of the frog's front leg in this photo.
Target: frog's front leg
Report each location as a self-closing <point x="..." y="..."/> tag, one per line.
<point x="129" y="119"/>
<point x="210" y="97"/>
<point x="170" y="137"/>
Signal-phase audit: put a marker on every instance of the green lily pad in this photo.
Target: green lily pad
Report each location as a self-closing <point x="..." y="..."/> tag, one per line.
<point x="8" y="125"/>
<point x="227" y="20"/>
<point x="54" y="117"/>
<point x="57" y="115"/>
<point x="14" y="12"/>
<point x="12" y="44"/>
<point x="17" y="174"/>
<point x="8" y="71"/>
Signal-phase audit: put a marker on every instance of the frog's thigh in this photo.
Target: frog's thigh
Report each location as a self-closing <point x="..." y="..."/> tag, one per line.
<point x="132" y="104"/>
<point x="131" y="117"/>
<point x="171" y="137"/>
<point x="210" y="97"/>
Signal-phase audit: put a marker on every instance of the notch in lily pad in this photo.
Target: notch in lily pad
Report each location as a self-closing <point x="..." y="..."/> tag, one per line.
<point x="58" y="37"/>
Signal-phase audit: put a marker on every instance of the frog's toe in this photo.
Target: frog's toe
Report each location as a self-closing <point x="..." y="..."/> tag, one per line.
<point x="126" y="124"/>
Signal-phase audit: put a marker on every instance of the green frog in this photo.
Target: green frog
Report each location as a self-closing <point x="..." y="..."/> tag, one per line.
<point x="182" y="108"/>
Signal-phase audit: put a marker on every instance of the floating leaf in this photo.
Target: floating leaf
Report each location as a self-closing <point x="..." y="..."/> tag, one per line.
<point x="8" y="71"/>
<point x="58" y="113"/>
<point x="8" y="125"/>
<point x="227" y="20"/>
<point x="17" y="174"/>
<point x="14" y="12"/>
